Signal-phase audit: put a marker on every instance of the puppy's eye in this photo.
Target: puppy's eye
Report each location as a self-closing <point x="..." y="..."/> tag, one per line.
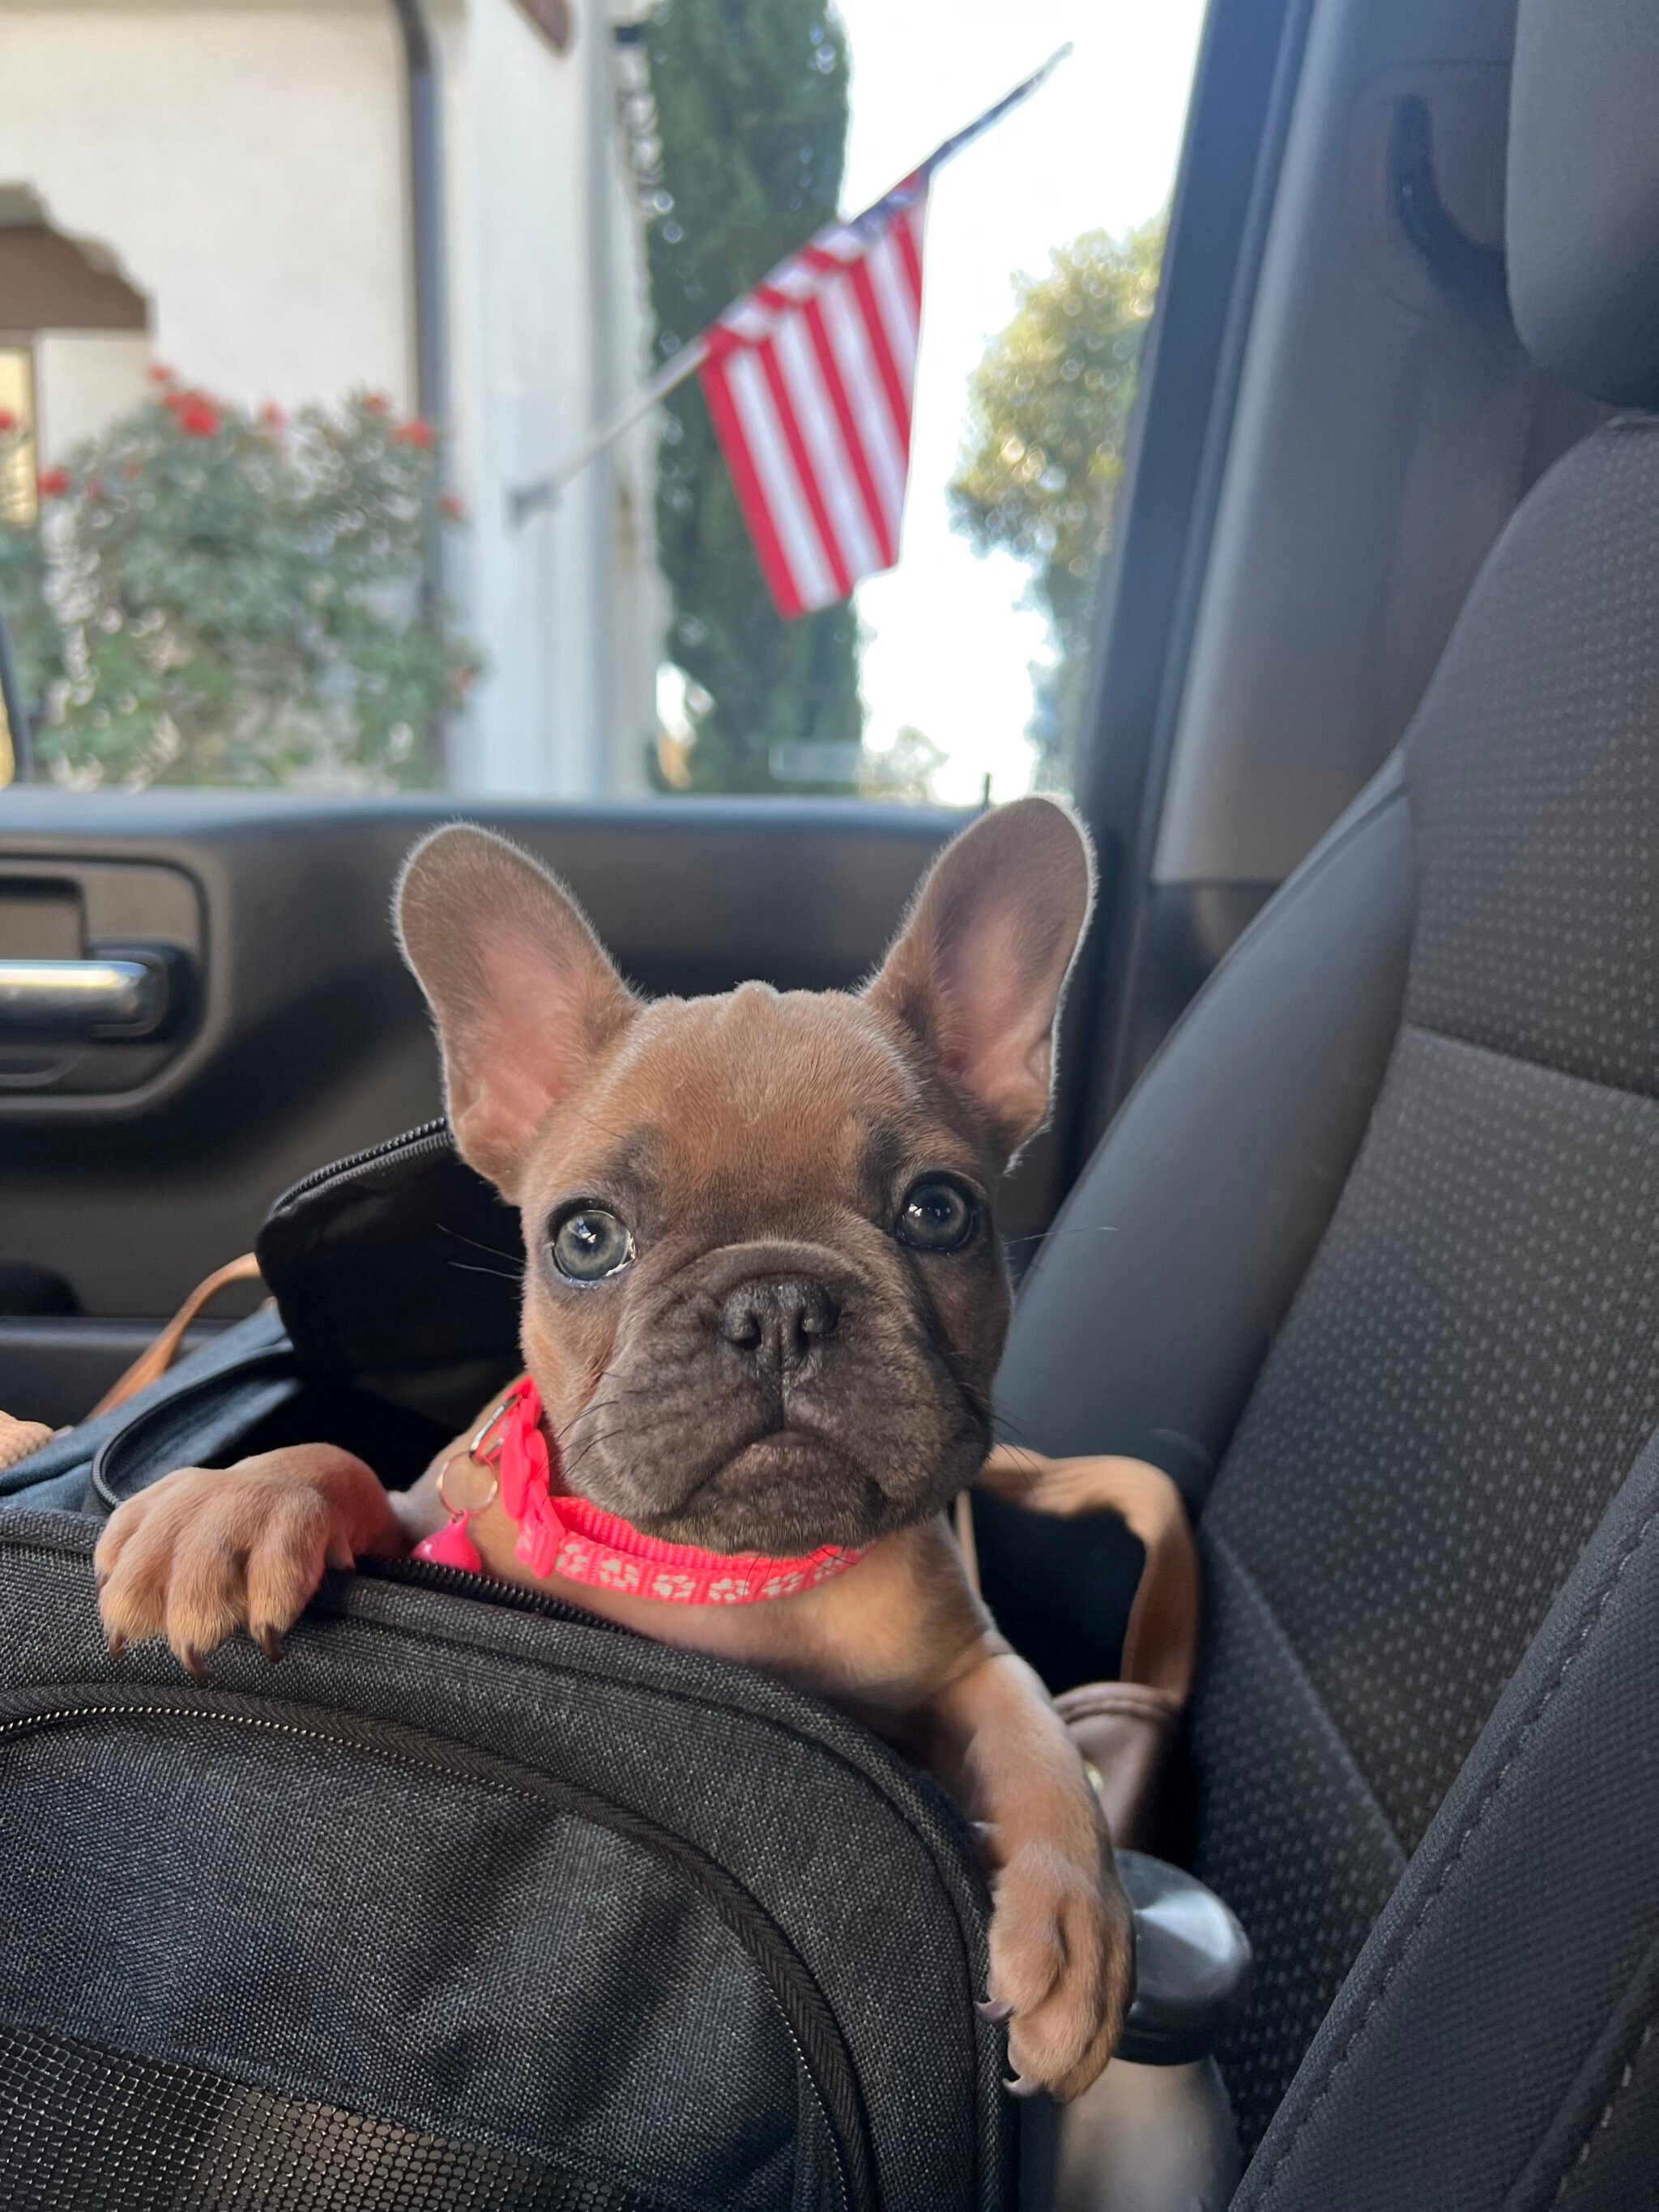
<point x="590" y="1244"/>
<point x="938" y="1216"/>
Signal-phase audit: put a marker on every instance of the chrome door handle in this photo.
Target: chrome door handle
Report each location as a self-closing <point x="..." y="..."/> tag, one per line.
<point x="119" y="996"/>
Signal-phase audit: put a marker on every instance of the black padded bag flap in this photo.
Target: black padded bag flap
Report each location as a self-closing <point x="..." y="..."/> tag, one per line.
<point x="395" y="1262"/>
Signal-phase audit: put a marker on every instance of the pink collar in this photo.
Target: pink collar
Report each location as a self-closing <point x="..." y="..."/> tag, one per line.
<point x="562" y="1533"/>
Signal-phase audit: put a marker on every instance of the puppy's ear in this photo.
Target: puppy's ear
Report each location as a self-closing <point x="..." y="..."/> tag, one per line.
<point x="979" y="971"/>
<point x="524" y="997"/>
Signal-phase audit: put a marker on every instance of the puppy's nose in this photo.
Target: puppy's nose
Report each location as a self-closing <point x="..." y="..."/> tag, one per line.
<point x="780" y="1320"/>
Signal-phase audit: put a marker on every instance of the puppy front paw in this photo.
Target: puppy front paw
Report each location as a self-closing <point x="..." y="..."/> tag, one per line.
<point x="206" y="1552"/>
<point x="1062" y="1967"/>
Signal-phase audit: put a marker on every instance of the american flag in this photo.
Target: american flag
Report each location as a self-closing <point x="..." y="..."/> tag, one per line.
<point x="808" y="380"/>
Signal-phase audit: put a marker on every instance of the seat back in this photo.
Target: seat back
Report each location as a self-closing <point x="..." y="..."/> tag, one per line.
<point x="1471" y="1365"/>
<point x="1430" y="1676"/>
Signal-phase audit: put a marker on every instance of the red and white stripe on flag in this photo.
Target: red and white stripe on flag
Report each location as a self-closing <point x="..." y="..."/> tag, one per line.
<point x="808" y="380"/>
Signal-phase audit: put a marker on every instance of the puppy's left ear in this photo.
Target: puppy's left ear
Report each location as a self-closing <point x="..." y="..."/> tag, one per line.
<point x="979" y="971"/>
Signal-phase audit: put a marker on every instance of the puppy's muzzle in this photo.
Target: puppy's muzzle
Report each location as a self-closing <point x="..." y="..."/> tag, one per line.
<point x="777" y="1323"/>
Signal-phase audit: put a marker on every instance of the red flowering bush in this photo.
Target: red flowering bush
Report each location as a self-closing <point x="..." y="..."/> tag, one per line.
<point x="212" y="596"/>
<point x="194" y="412"/>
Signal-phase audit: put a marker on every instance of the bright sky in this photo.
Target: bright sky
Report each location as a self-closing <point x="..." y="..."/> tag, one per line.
<point x="949" y="644"/>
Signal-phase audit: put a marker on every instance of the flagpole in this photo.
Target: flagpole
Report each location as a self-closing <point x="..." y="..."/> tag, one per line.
<point x="994" y="113"/>
<point x="525" y="499"/>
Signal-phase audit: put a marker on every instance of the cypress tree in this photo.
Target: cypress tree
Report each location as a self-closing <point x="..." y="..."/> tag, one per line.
<point x="751" y="98"/>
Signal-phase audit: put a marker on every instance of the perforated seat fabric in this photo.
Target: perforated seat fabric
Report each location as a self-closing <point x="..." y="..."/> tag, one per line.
<point x="1425" y="1737"/>
<point x="1471" y="1365"/>
<point x="1369" y="1263"/>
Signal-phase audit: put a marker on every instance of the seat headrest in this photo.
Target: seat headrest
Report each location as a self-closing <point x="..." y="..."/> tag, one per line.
<point x="1583" y="219"/>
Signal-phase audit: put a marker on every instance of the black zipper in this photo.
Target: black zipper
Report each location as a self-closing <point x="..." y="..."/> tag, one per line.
<point x="821" y="2052"/>
<point x="425" y="1137"/>
<point x="460" y="1581"/>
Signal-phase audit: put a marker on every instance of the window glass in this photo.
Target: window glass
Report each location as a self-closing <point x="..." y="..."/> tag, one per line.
<point x="334" y="449"/>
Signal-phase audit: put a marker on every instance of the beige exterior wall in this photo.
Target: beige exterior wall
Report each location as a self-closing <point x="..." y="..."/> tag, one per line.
<point x="84" y="380"/>
<point x="243" y="164"/>
<point x="572" y="704"/>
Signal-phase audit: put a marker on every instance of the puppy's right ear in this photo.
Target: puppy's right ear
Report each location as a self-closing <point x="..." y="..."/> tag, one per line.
<point x="524" y="1000"/>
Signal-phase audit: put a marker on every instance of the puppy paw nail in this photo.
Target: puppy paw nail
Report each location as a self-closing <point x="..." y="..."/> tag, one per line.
<point x="1017" y="2086"/>
<point x="271" y="1644"/>
<point x="118" y="1644"/>
<point x="101" y="1579"/>
<point x="191" y="1660"/>
<point x="995" y="2009"/>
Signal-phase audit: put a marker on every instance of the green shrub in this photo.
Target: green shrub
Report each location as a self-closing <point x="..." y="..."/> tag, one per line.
<point x="212" y="596"/>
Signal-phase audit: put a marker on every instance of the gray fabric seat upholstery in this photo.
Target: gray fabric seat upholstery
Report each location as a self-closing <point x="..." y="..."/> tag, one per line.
<point x="1471" y="1365"/>
<point x="1382" y="1290"/>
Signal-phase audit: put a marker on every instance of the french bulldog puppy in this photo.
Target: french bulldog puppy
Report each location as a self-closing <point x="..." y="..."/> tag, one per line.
<point x="763" y="1305"/>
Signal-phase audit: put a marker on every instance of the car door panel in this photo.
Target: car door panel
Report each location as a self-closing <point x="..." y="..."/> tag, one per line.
<point x="130" y="1170"/>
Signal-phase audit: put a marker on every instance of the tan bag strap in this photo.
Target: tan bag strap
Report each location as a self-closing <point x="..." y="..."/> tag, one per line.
<point x="1160" y="1642"/>
<point x="156" y="1357"/>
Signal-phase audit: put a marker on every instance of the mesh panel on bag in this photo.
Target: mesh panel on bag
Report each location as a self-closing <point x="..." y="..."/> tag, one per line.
<point x="86" y="2129"/>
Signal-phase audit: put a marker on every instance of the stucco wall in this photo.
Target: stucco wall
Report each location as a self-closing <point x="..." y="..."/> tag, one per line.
<point x="517" y="176"/>
<point x="570" y="700"/>
<point x="245" y="165"/>
<point x="84" y="380"/>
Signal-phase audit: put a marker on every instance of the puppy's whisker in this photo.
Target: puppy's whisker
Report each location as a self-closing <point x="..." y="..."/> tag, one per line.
<point x="666" y="1419"/>
<point x="594" y="1443"/>
<point x="979" y="1402"/>
<point x="490" y="1251"/>
<point x="621" y="1428"/>
<point x="1023" y="1451"/>
<point x="630" y="1425"/>
<point x="471" y="1267"/>
<point x="1007" y="1435"/>
<point x="1056" y="1236"/>
<point x="597" y="1405"/>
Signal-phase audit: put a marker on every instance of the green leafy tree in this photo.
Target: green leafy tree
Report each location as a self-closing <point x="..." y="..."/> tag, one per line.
<point x="209" y="596"/>
<point x="1049" y="420"/>
<point x="751" y="100"/>
<point x="905" y="769"/>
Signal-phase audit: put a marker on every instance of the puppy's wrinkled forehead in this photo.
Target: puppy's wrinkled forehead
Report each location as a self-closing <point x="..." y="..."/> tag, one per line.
<point x="740" y="1107"/>
<point x="538" y="1029"/>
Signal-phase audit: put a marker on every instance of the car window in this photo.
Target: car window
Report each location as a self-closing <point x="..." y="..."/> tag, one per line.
<point x="323" y="334"/>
